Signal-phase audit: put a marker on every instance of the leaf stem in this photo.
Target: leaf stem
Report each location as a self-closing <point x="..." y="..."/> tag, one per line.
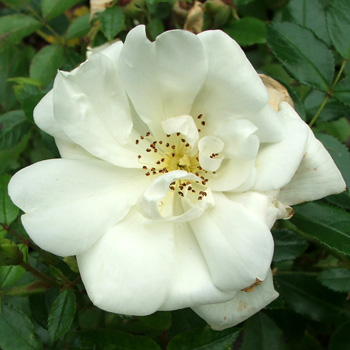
<point x="42" y="276"/>
<point x="330" y="91"/>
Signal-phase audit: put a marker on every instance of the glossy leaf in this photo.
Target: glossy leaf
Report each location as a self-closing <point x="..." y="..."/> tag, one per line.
<point x="336" y="279"/>
<point x="340" y="338"/>
<point x="309" y="298"/>
<point x="46" y="62"/>
<point x="112" y="22"/>
<point x="17" y="330"/>
<point x="159" y="320"/>
<point x="247" y="31"/>
<point x="61" y="314"/>
<point x="9" y="275"/>
<point x="327" y="224"/>
<point x="8" y="211"/>
<point x="78" y="28"/>
<point x="342" y="91"/>
<point x="15" y="27"/>
<point x="302" y="54"/>
<point x="339" y="153"/>
<point x="13" y="127"/>
<point x="309" y="14"/>
<point x="338" y="24"/>
<point x="261" y="333"/>
<point x="288" y="245"/>
<point x="204" y="339"/>
<point x="117" y="340"/>
<point x="53" y="8"/>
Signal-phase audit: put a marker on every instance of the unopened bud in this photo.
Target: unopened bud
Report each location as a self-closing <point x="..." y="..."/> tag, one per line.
<point x="219" y="11"/>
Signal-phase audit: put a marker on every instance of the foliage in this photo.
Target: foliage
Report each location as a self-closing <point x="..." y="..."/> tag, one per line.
<point x="303" y="44"/>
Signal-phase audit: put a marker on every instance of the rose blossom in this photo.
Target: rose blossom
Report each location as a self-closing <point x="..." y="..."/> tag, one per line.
<point x="174" y="169"/>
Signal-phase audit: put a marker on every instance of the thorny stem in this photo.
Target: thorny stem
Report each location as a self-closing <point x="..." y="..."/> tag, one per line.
<point x="330" y="92"/>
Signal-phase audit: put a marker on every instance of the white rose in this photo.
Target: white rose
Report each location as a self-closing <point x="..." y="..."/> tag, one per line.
<point x="174" y="168"/>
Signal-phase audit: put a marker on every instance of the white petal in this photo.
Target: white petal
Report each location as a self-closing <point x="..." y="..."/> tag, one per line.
<point x="232" y="86"/>
<point x="264" y="206"/>
<point x="191" y="282"/>
<point x="69" y="204"/>
<point x="185" y="125"/>
<point x="277" y="163"/>
<point x="162" y="78"/>
<point x="232" y="174"/>
<point x="150" y="204"/>
<point x="44" y="117"/>
<point x="270" y="126"/>
<point x="93" y="110"/>
<point x="112" y="51"/>
<point x="316" y="177"/>
<point x="129" y="269"/>
<point x="237" y="246"/>
<point x="242" y="306"/>
<point x="207" y="146"/>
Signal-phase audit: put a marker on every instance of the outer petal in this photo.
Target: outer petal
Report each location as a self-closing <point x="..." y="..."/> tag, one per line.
<point x="237" y="246"/>
<point x="191" y="282"/>
<point x="232" y="86"/>
<point x="92" y="109"/>
<point x="242" y="306"/>
<point x="277" y="163"/>
<point x="129" y="269"/>
<point x="69" y="204"/>
<point x="162" y="78"/>
<point x="317" y="175"/>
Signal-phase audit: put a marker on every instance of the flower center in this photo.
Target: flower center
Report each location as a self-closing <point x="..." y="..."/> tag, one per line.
<point x="172" y="152"/>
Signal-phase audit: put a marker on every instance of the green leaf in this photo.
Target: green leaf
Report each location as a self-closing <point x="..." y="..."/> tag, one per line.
<point x="15" y="27"/>
<point x="247" y="31"/>
<point x="17" y="330"/>
<point x="309" y="298"/>
<point x="204" y="339"/>
<point x="13" y="126"/>
<point x="302" y="54"/>
<point x="333" y="110"/>
<point x="9" y="275"/>
<point x="53" y="8"/>
<point x="342" y="91"/>
<point x="339" y="153"/>
<point x="309" y="14"/>
<point x="261" y="333"/>
<point x="61" y="314"/>
<point x="340" y="338"/>
<point x="8" y="211"/>
<point x="120" y="340"/>
<point x="327" y="224"/>
<point x="79" y="27"/>
<point x="112" y="22"/>
<point x="338" y="24"/>
<point x="288" y="245"/>
<point x="46" y="62"/>
<point x="159" y="320"/>
<point x="336" y="279"/>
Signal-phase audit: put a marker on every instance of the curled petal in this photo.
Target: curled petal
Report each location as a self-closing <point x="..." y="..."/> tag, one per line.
<point x="150" y="203"/>
<point x="209" y="148"/>
<point x="243" y="305"/>
<point x="317" y="175"/>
